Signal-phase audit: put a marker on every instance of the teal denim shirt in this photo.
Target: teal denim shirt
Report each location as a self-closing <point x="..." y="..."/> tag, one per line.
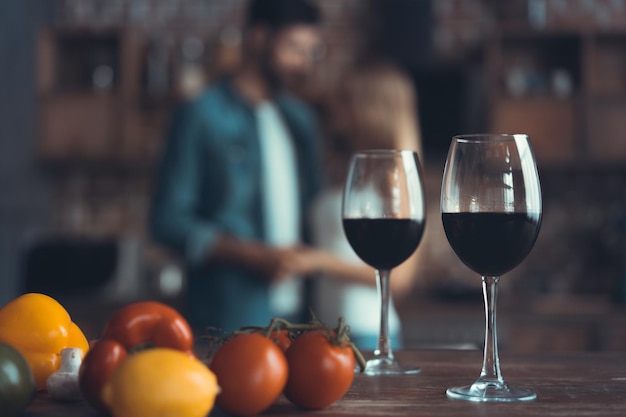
<point x="209" y="183"/>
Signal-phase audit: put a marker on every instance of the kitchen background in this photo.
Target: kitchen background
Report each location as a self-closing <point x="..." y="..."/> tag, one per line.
<point x="87" y="86"/>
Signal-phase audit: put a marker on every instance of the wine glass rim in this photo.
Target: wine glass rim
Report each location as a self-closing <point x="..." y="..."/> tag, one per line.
<point x="489" y="137"/>
<point x="383" y="151"/>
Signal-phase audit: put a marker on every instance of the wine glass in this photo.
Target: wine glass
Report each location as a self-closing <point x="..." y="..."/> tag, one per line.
<point x="491" y="213"/>
<point x="383" y="219"/>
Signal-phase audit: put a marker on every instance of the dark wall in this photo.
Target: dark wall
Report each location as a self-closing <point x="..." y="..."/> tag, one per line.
<point x="450" y="95"/>
<point x="24" y="199"/>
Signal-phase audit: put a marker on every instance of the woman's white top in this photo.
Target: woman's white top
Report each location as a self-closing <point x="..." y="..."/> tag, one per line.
<point x="358" y="303"/>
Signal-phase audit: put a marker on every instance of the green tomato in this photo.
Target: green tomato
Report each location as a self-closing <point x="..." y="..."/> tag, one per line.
<point x="17" y="384"/>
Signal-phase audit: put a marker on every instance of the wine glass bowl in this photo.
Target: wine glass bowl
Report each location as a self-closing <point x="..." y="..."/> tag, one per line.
<point x="383" y="218"/>
<point x="491" y="211"/>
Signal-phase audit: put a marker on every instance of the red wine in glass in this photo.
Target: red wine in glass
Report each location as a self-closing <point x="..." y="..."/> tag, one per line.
<point x="491" y="244"/>
<point x="491" y="212"/>
<point x="383" y="219"/>
<point x="383" y="243"/>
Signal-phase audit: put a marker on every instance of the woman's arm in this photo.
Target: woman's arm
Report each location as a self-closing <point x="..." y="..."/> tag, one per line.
<point x="325" y="262"/>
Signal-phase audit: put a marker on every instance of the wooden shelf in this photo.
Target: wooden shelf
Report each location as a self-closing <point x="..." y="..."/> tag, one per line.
<point x="80" y="60"/>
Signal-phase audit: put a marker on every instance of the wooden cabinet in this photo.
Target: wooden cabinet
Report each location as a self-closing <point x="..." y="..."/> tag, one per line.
<point x="103" y="111"/>
<point x="605" y="69"/>
<point x="79" y="125"/>
<point x="605" y="64"/>
<point x="95" y="107"/>
<point x="566" y="88"/>
<point x="606" y="129"/>
<point x="551" y="124"/>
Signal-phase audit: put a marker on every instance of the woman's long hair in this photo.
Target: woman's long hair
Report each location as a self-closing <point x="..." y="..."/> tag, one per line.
<point x="373" y="107"/>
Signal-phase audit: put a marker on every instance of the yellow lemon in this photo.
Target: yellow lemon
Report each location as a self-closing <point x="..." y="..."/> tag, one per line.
<point x="161" y="382"/>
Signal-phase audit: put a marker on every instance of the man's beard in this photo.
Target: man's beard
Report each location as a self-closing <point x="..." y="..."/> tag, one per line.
<point x="270" y="74"/>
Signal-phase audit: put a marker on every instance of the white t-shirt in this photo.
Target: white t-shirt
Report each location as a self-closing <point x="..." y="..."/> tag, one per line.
<point x="359" y="304"/>
<point x="281" y="202"/>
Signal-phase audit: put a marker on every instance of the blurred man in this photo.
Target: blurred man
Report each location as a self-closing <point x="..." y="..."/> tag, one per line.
<point x="238" y="172"/>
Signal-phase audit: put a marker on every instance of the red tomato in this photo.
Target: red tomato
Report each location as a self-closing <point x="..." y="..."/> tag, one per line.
<point x="251" y="371"/>
<point x="320" y="371"/>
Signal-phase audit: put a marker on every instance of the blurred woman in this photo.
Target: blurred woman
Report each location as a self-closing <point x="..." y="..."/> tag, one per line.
<point x="373" y="107"/>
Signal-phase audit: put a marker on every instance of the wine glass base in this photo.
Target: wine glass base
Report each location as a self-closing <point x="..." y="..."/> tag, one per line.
<point x="488" y="391"/>
<point x="386" y="366"/>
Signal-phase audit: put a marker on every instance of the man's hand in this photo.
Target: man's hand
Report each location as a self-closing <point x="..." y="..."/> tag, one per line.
<point x="270" y="263"/>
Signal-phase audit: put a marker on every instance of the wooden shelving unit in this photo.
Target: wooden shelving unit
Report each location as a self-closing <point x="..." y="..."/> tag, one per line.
<point x="565" y="88"/>
<point x="605" y="69"/>
<point x="95" y="106"/>
<point x="101" y="125"/>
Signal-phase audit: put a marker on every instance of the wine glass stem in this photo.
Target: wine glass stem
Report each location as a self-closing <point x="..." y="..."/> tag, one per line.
<point x="491" y="361"/>
<point x="383" y="347"/>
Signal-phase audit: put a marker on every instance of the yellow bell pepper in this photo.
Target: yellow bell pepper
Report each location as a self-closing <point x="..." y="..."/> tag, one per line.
<point x="39" y="328"/>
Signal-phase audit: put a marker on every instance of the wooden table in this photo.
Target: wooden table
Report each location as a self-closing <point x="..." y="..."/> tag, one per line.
<point x="577" y="384"/>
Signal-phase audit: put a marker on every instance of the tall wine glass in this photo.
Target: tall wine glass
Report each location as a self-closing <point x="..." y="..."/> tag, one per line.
<point x="383" y="218"/>
<point x="491" y="213"/>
